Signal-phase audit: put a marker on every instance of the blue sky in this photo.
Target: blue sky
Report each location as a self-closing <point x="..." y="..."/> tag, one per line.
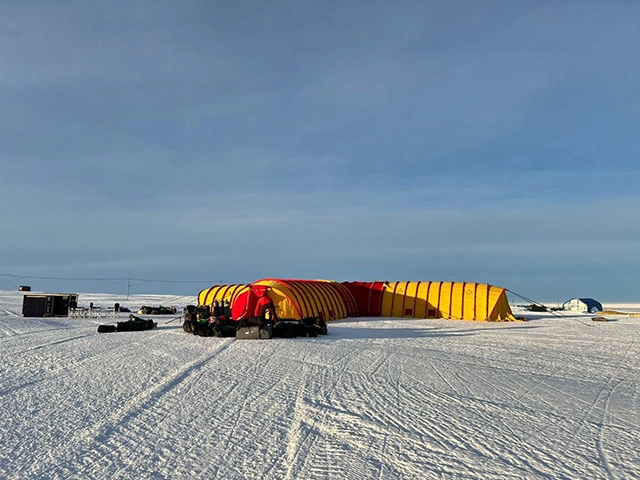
<point x="229" y="141"/>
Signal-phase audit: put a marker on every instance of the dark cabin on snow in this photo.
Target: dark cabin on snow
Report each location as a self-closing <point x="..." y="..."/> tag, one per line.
<point x="48" y="304"/>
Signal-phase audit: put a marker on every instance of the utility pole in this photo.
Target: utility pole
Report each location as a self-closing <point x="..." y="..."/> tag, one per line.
<point x="128" y="288"/>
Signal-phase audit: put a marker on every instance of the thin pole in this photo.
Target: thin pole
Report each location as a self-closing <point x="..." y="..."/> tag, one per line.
<point x="128" y="287"/>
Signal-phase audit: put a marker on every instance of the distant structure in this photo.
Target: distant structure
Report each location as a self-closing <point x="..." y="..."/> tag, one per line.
<point x="25" y="288"/>
<point x="582" y="305"/>
<point x="48" y="304"/>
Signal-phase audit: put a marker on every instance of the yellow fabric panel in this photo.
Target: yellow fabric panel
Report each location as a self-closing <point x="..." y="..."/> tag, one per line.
<point x="411" y="300"/>
<point x="392" y="293"/>
<point x="421" y="300"/>
<point x="496" y="307"/>
<point x="204" y="294"/>
<point x="426" y="293"/>
<point x="387" y="298"/>
<point x="456" y="307"/>
<point x="445" y="299"/>
<point x="284" y="307"/>
<point x="221" y="293"/>
<point x="400" y="296"/>
<point x="436" y="288"/>
<point x="501" y="312"/>
<point x="482" y="300"/>
<point x="469" y="301"/>
<point x="397" y="290"/>
<point x="201" y="296"/>
<point x="209" y="294"/>
<point x="406" y="302"/>
<point x="214" y="293"/>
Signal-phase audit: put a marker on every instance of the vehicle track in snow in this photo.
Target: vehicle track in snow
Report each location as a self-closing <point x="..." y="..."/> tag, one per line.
<point x="602" y="404"/>
<point x="541" y="460"/>
<point x="116" y="434"/>
<point x="69" y="367"/>
<point x="53" y="363"/>
<point x="493" y="419"/>
<point x="308" y="454"/>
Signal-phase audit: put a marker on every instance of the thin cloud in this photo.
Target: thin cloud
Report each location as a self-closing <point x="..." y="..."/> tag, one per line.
<point x="305" y="140"/>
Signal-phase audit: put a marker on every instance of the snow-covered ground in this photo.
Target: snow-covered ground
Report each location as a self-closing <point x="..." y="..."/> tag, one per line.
<point x="555" y="397"/>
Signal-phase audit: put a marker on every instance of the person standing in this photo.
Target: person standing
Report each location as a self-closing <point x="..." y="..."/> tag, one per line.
<point x="264" y="305"/>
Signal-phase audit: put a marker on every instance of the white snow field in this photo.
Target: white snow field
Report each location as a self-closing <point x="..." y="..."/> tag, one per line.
<point x="555" y="397"/>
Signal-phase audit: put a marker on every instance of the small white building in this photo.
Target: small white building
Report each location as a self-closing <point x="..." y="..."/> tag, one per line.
<point x="582" y="305"/>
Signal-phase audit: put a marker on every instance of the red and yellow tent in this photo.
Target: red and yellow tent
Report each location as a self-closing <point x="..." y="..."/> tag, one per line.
<point x="296" y="299"/>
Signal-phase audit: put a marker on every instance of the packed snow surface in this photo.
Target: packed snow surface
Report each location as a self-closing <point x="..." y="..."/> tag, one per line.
<point x="555" y="397"/>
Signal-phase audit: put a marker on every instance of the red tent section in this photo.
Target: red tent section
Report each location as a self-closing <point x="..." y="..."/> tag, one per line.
<point x="245" y="303"/>
<point x="368" y="297"/>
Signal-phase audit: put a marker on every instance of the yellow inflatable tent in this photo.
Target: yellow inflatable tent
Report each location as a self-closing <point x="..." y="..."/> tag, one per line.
<point x="451" y="300"/>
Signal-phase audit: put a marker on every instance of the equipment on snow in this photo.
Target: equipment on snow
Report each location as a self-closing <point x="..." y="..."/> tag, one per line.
<point x="106" y="328"/>
<point x="135" y="324"/>
<point x="254" y="333"/>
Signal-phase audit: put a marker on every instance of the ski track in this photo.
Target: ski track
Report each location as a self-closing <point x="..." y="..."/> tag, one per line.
<point x="375" y="399"/>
